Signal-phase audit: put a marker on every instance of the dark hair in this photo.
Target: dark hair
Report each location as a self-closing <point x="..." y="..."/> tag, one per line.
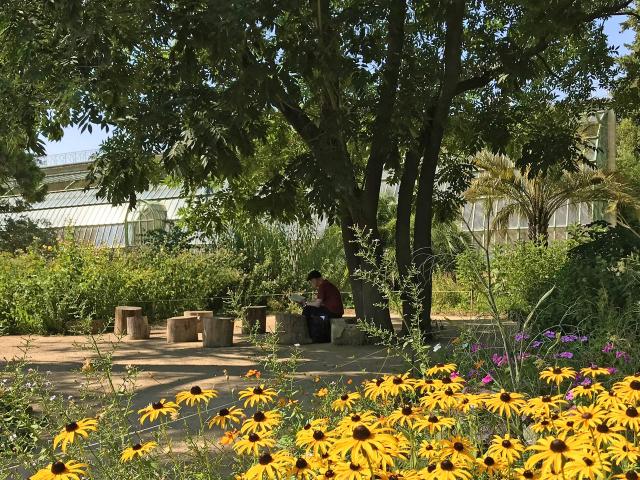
<point x="314" y="274"/>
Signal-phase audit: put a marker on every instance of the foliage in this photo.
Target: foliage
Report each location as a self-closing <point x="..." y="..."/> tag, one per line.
<point x="19" y="234"/>
<point x="173" y="239"/>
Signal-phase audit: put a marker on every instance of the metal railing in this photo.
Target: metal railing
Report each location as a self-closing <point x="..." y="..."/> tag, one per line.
<point x="68" y="158"/>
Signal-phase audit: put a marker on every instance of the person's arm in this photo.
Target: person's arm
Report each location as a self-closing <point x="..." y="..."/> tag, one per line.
<point x="314" y="303"/>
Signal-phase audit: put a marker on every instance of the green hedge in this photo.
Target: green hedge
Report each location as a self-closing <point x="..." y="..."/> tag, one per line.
<point x="54" y="290"/>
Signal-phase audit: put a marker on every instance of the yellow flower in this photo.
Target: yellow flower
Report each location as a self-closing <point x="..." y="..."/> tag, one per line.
<point x="269" y="465"/>
<point x="621" y="451"/>
<point x="628" y="389"/>
<point x="526" y="474"/>
<point x="137" y="450"/>
<point x="430" y="450"/>
<point x="316" y="440"/>
<point x="587" y="391"/>
<point x="593" y="371"/>
<point x="303" y="468"/>
<point x="225" y="417"/>
<point x="257" y="395"/>
<point x="543" y="406"/>
<point x="404" y="416"/>
<point x="449" y="470"/>
<point x="629" y="475"/>
<point x="154" y="410"/>
<point x="441" y="399"/>
<point x="365" y="442"/>
<point x="68" y="434"/>
<point x="195" y="395"/>
<point x="253" y="443"/>
<point x="351" y="471"/>
<point x="543" y="426"/>
<point x="552" y="451"/>
<point x="229" y="437"/>
<point x="458" y="449"/>
<point x="606" y="432"/>
<point x="489" y="465"/>
<point x="466" y="402"/>
<point x="588" y="466"/>
<point x="70" y="470"/>
<point x="397" y="384"/>
<point x="261" y="422"/>
<point x="628" y="417"/>
<point x="439" y="368"/>
<point x="586" y="418"/>
<point x="345" y="402"/>
<point x="253" y="373"/>
<point x="435" y="424"/>
<point x="557" y="375"/>
<point x="506" y="448"/>
<point x="375" y="389"/>
<point x="456" y="384"/>
<point x="323" y="392"/>
<point x="609" y="399"/>
<point x="505" y="403"/>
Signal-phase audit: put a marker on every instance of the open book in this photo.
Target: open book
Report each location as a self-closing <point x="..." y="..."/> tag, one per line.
<point x="294" y="297"/>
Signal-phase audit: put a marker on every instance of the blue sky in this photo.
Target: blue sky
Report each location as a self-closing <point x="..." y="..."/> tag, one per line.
<point x="73" y="140"/>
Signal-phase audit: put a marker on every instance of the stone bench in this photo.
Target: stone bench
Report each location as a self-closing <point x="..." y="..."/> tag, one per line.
<point x="345" y="331"/>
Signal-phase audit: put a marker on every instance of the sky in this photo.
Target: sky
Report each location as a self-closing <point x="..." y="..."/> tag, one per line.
<point x="74" y="141"/>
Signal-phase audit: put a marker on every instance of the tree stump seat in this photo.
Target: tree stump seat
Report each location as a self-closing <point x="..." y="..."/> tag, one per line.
<point x="217" y="331"/>
<point x="292" y="329"/>
<point x="345" y="331"/>
<point x="199" y="314"/>
<point x="121" y="315"/>
<point x="255" y="320"/>
<point x="137" y="328"/>
<point x="182" y="329"/>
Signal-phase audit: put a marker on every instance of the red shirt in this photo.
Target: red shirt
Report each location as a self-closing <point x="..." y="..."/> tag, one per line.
<point x="331" y="298"/>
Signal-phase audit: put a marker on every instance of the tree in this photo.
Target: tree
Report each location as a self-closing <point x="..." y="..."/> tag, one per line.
<point x="537" y="197"/>
<point x="18" y="234"/>
<point x="365" y="87"/>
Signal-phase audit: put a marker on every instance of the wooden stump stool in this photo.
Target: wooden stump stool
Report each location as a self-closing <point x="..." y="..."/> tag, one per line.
<point x="217" y="332"/>
<point x="182" y="329"/>
<point x="120" y="325"/>
<point x="200" y="314"/>
<point x="344" y="331"/>
<point x="255" y="320"/>
<point x="137" y="328"/>
<point x="292" y="329"/>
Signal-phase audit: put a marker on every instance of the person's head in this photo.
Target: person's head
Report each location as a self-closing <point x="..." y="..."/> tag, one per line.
<point x="314" y="278"/>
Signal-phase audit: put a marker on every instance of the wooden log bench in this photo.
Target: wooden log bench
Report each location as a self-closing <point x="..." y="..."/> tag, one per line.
<point x="182" y="329"/>
<point x="121" y="315"/>
<point x="255" y="320"/>
<point x="292" y="329"/>
<point x="199" y="314"/>
<point x="345" y="331"/>
<point x="217" y="331"/>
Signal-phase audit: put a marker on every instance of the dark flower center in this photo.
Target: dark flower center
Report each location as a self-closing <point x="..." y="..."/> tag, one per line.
<point x="406" y="410"/>
<point x="555" y="416"/>
<point x="258" y="391"/>
<point x="635" y="384"/>
<point x="557" y="371"/>
<point x="448" y="392"/>
<point x="587" y="461"/>
<point x="631" y="412"/>
<point x="431" y="467"/>
<point x="544" y="423"/>
<point x="329" y="474"/>
<point x="446" y="380"/>
<point x="137" y="446"/>
<point x="458" y="446"/>
<point x="631" y="476"/>
<point x="361" y="433"/>
<point x="378" y="383"/>
<point x="587" y="387"/>
<point x="505" y="397"/>
<point x="355" y="418"/>
<point x="570" y="423"/>
<point x="440" y="365"/>
<point x="603" y="428"/>
<point x="355" y="467"/>
<point x="488" y="461"/>
<point x="558" y="446"/>
<point x="433" y="419"/>
<point x="397" y="381"/>
<point x="318" y="435"/>
<point x="428" y="448"/>
<point x="447" y="465"/>
<point x="254" y="437"/>
<point x="301" y="463"/>
<point x="259" y="417"/>
<point x="224" y="412"/>
<point x="58" y="467"/>
<point x="527" y="474"/>
<point x="265" y="459"/>
<point x="307" y="426"/>
<point x="344" y="397"/>
<point x="587" y="415"/>
<point x="546" y="399"/>
<point x="195" y="390"/>
<point x="72" y="427"/>
<point x="157" y="406"/>
<point x="506" y="444"/>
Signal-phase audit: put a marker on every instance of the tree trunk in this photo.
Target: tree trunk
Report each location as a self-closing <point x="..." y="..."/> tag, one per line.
<point x="217" y="332"/>
<point x="182" y="329"/>
<point x="137" y="328"/>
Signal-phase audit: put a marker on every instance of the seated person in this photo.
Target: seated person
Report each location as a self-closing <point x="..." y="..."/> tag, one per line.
<point x="327" y="305"/>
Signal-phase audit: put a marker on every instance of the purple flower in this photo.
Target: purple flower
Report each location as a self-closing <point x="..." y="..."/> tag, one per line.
<point x="487" y="379"/>
<point x="475" y="347"/>
<point x="454" y="375"/>
<point x="550" y="334"/>
<point x="536" y="344"/>
<point x="608" y="347"/>
<point x="612" y="370"/>
<point x="472" y="373"/>
<point x="520" y="336"/>
<point x="568" y="338"/>
<point x="583" y="338"/>
<point x="569" y="395"/>
<point x="624" y="355"/>
<point x="586" y="381"/>
<point x="499" y="360"/>
<point x="565" y="355"/>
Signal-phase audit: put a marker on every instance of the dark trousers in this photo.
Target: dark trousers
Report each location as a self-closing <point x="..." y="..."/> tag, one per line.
<point x="319" y="323"/>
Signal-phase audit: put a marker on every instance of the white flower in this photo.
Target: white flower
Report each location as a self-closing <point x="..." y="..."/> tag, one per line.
<point x="437" y="347"/>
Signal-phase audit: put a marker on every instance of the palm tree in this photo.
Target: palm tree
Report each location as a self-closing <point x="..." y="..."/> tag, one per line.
<point x="538" y="197"/>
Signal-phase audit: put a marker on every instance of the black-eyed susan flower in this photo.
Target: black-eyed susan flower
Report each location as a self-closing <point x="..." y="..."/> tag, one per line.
<point x="594" y="371"/>
<point x="609" y="399"/>
<point x="490" y="465"/>
<point x="271" y="466"/>
<point x="154" y="410"/>
<point x="398" y="475"/>
<point x="454" y="383"/>
<point x="345" y="401"/>
<point x="588" y="466"/>
<point x="322" y="392"/>
<point x="587" y="417"/>
<point x="326" y="473"/>
<point x="375" y="389"/>
<point x="552" y="451"/>
<point x="429" y="449"/>
<point x="606" y="432"/>
<point x="505" y="403"/>
<point x="425" y="385"/>
<point x="543" y="406"/>
<point x="70" y="470"/>
<point x="506" y="448"/>
<point x="441" y="399"/>
<point x="352" y="471"/>
<point x="137" y="450"/>
<point x="253" y="443"/>
<point x="396" y="384"/>
<point x="195" y="395"/>
<point x="440" y="368"/>
<point x="632" y="474"/>
<point x="71" y="430"/>
<point x="405" y="416"/>
<point x="317" y="441"/>
<point x="308" y="428"/>
<point x="302" y="468"/>
<point x="557" y="374"/>
<point x="226" y="417"/>
<point x="527" y="474"/>
<point x="257" y="395"/>
<point x="589" y="391"/>
<point x="365" y="442"/>
<point x="628" y="389"/>
<point x="261" y="421"/>
<point x="434" y="423"/>
<point x="628" y="417"/>
<point x="543" y="426"/>
<point x="458" y="449"/>
<point x="449" y="470"/>
<point x="622" y="451"/>
<point x="467" y="401"/>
